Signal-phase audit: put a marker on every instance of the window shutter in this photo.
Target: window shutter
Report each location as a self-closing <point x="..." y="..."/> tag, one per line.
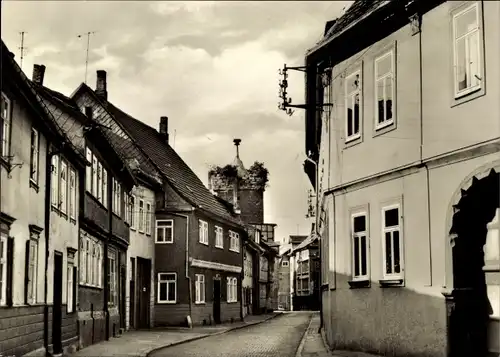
<point x="10" y="268"/>
<point x="26" y="272"/>
<point x="75" y="284"/>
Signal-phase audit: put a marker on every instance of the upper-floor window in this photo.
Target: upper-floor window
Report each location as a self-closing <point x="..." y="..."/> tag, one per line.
<point x="384" y="90"/>
<point x="132" y="212"/>
<point x="141" y="216"/>
<point x="392" y="240"/>
<point x="353" y="100"/>
<point x="63" y="187"/>
<point x="466" y="50"/>
<point x="148" y="218"/>
<point x="96" y="178"/>
<point x="219" y="237"/>
<point x="165" y="231"/>
<point x="359" y="246"/>
<point x="55" y="181"/>
<point x="112" y="279"/>
<point x="234" y="241"/>
<point x="117" y="198"/>
<point x="34" y="156"/>
<point x="72" y="193"/>
<point x="203" y="232"/>
<point x="5" y="118"/>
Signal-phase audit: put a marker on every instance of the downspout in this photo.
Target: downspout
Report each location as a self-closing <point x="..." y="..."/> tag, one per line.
<point x="427" y="179"/>
<point x="188" y="278"/>
<point x="48" y="189"/>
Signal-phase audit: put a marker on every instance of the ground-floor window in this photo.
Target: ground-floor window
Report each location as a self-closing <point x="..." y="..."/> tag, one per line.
<point x="232" y="289"/>
<point x="91" y="260"/>
<point x="167" y="288"/>
<point x="70" y="283"/>
<point x="199" y="288"/>
<point x="112" y="279"/>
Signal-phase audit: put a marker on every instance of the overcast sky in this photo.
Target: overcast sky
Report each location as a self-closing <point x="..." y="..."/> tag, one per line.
<point x="211" y="67"/>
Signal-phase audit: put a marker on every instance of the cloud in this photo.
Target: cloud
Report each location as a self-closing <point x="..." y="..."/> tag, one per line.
<point x="211" y="67"/>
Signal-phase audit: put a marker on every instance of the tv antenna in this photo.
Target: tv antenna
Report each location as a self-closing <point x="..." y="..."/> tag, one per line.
<point x="87" y="55"/>
<point x="22" y="48"/>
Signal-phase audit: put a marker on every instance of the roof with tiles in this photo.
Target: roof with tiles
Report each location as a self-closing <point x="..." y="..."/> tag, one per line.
<point x="177" y="172"/>
<point x="358" y="9"/>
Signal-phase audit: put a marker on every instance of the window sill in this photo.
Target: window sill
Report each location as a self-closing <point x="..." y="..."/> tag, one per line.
<point x="133" y="229"/>
<point x="232" y="302"/>
<point x="156" y="242"/>
<point x="166" y="302"/>
<point x="34" y="185"/>
<point x="491" y="268"/>
<point x="387" y="283"/>
<point x="72" y="220"/>
<point x="148" y="234"/>
<point x="324" y="287"/>
<point x="200" y="303"/>
<point x="234" y="250"/>
<point x="141" y="232"/>
<point x="89" y="286"/>
<point x="203" y="243"/>
<point x="219" y="247"/>
<point x="465" y="97"/>
<point x="58" y="211"/>
<point x="384" y="128"/>
<point x="359" y="284"/>
<point x="352" y="141"/>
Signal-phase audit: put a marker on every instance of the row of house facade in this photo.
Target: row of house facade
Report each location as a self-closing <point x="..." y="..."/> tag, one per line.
<point x="104" y="227"/>
<point x="407" y="143"/>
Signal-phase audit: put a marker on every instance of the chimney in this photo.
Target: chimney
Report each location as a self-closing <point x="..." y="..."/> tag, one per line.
<point x="164" y="128"/>
<point x="88" y="112"/>
<point x="101" y="86"/>
<point x="38" y="73"/>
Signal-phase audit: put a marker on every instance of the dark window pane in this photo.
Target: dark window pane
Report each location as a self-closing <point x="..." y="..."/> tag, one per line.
<point x="388" y="253"/>
<point x="159" y="235"/>
<point x="171" y="291"/>
<point x="397" y="265"/>
<point x="168" y="234"/>
<point x="349" y="122"/>
<point x="392" y="217"/>
<point x="380" y="111"/>
<point x="388" y="98"/>
<point x="163" y="291"/>
<point x="356" y="256"/>
<point x="363" y="255"/>
<point x="360" y="224"/>
<point x="356" y="114"/>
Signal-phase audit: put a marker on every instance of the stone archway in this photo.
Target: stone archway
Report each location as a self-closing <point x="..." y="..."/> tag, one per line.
<point x="474" y="207"/>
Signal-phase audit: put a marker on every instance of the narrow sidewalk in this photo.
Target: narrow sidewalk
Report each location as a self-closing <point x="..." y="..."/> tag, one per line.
<point x="313" y="345"/>
<point x="141" y="343"/>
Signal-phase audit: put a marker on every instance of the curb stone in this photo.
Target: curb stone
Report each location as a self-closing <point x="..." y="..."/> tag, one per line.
<point x="147" y="353"/>
<point x="300" y="348"/>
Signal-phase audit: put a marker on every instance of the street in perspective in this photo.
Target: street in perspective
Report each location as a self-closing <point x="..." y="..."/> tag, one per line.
<point x="250" y="178"/>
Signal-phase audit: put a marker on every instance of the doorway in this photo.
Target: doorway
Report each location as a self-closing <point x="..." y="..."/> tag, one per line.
<point x="57" y="307"/>
<point x="144" y="292"/>
<point x="470" y="316"/>
<point x="216" y="305"/>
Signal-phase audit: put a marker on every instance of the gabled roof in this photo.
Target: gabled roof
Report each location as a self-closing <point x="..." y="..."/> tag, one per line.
<point x="174" y="169"/>
<point x="11" y="69"/>
<point x="307" y="242"/>
<point x="358" y="10"/>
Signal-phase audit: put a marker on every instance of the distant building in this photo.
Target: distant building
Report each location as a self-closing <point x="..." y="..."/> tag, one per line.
<point x="284" y="286"/>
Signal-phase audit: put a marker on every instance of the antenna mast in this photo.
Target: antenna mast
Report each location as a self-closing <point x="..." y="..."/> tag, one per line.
<point x="87" y="54"/>
<point x="22" y="48"/>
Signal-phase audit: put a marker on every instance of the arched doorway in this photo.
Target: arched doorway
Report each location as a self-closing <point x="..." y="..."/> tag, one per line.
<point x="468" y="321"/>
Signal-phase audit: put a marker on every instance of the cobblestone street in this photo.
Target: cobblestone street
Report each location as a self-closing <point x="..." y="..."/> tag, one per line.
<point x="278" y="337"/>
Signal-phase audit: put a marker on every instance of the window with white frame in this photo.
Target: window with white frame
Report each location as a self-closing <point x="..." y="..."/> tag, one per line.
<point x="148" y="218"/>
<point x="5" y="117"/>
<point x="70" y="283"/>
<point x="165" y="231"/>
<point x="353" y="100"/>
<point x="117" y="195"/>
<point x="199" y="288"/>
<point x="466" y="50"/>
<point x="32" y="269"/>
<point x="63" y="187"/>
<point x="3" y="268"/>
<point x="232" y="289"/>
<point x="132" y="212"/>
<point x="55" y="181"/>
<point x="141" y="216"/>
<point x="112" y="279"/>
<point x="34" y="156"/>
<point x="203" y="232"/>
<point x="126" y="213"/>
<point x="359" y="246"/>
<point x="234" y="241"/>
<point x="96" y="178"/>
<point x="91" y="261"/>
<point x="72" y="193"/>
<point x="167" y="288"/>
<point x="384" y="90"/>
<point x="392" y="240"/>
<point x="219" y="237"/>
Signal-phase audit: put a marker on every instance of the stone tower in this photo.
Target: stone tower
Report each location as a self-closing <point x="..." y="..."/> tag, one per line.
<point x="243" y="188"/>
